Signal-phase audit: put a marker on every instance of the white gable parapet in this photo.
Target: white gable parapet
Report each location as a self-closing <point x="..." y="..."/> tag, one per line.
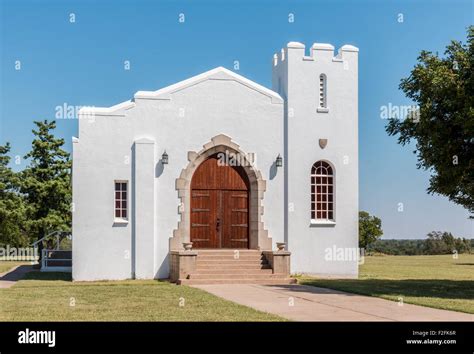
<point x="118" y="110"/>
<point x="219" y="73"/>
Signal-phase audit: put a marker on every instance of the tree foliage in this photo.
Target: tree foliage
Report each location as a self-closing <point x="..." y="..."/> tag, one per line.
<point x="370" y="229"/>
<point x="12" y="205"/>
<point x="46" y="183"/>
<point x="443" y="126"/>
<point x="445" y="243"/>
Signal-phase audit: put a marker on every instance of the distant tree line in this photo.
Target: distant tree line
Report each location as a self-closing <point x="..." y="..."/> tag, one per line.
<point x="437" y="242"/>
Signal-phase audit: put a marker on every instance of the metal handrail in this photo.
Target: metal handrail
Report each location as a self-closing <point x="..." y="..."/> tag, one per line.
<point x="57" y="233"/>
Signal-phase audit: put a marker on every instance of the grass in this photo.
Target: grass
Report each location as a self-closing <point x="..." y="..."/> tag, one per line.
<point x="5" y="266"/>
<point x="434" y="281"/>
<point x="54" y="297"/>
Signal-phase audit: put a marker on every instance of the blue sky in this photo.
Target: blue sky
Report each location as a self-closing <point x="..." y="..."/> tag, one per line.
<point x="82" y="63"/>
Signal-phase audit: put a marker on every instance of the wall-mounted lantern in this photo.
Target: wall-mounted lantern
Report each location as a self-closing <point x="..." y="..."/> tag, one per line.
<point x="279" y="161"/>
<point x="164" y="158"/>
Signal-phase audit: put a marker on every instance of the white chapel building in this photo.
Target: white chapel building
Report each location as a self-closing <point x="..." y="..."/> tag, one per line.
<point x="219" y="179"/>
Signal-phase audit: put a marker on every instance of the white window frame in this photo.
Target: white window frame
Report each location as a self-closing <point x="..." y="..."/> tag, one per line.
<point x="120" y="219"/>
<point x="314" y="212"/>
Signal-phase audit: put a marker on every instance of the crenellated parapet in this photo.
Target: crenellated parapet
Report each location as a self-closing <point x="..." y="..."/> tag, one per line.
<point x="317" y="52"/>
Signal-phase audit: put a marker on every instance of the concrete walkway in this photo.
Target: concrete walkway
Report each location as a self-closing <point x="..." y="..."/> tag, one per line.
<point x="308" y="303"/>
<point x="8" y="279"/>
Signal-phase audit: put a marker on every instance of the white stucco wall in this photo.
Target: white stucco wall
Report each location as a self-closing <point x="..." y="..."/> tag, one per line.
<point x="296" y="78"/>
<point x="177" y="119"/>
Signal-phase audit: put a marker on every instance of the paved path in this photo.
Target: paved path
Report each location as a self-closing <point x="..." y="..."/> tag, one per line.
<point x="8" y="279"/>
<point x="309" y="303"/>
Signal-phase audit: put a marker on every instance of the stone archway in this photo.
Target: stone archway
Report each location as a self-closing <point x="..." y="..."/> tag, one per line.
<point x="258" y="236"/>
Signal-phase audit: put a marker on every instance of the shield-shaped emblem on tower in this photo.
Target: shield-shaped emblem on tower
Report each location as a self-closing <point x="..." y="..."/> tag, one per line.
<point x="323" y="143"/>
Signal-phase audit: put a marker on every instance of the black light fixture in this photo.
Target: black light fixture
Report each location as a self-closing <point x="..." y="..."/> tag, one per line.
<point x="279" y="161"/>
<point x="164" y="158"/>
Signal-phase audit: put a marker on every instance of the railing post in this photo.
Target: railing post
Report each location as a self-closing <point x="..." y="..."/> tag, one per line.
<point x="43" y="258"/>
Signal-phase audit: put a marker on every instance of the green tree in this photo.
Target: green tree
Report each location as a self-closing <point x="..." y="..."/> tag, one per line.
<point x="46" y="183"/>
<point x="436" y="243"/>
<point x="443" y="123"/>
<point x="12" y="206"/>
<point x="370" y="229"/>
<point x="449" y="241"/>
<point x="462" y="245"/>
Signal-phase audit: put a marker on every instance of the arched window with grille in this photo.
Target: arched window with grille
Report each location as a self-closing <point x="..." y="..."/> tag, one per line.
<point x="322" y="191"/>
<point x="322" y="91"/>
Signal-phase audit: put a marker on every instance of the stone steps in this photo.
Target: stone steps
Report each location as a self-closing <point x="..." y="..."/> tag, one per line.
<point x="221" y="267"/>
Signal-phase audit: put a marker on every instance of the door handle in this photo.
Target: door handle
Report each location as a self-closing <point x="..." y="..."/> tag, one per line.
<point x="218" y="224"/>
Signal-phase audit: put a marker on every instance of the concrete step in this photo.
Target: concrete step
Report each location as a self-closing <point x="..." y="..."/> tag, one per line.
<point x="241" y="267"/>
<point x="267" y="281"/>
<point x="228" y="251"/>
<point x="236" y="276"/>
<point x="243" y="272"/>
<point x="244" y="257"/>
<point x="230" y="261"/>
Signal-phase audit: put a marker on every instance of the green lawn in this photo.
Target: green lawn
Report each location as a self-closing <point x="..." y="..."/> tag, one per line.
<point x="5" y="266"/>
<point x="434" y="281"/>
<point x="51" y="296"/>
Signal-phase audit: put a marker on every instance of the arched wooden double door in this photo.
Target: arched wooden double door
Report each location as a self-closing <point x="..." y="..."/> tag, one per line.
<point x="219" y="206"/>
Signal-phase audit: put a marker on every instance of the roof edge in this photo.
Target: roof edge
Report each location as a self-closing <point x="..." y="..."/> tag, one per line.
<point x="219" y="73"/>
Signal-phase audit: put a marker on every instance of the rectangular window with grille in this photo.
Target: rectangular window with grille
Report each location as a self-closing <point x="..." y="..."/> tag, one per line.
<point x="121" y="200"/>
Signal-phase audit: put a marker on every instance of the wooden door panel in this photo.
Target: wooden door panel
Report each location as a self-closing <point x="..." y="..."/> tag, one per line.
<point x="211" y="174"/>
<point x="235" y="228"/>
<point x="203" y="210"/>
